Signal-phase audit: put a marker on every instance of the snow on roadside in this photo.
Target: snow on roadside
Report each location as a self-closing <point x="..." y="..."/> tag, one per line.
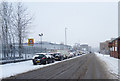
<point x="12" y="69"/>
<point x="111" y="63"/>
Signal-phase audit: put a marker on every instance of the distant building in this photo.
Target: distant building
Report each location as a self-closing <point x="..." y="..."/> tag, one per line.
<point x="89" y="48"/>
<point x="43" y="47"/>
<point x="48" y="45"/>
<point x="76" y="46"/>
<point x="85" y="47"/>
<point x="104" y="47"/>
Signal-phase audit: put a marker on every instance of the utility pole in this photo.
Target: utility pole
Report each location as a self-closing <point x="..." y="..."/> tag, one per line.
<point x="65" y="47"/>
<point x="65" y="36"/>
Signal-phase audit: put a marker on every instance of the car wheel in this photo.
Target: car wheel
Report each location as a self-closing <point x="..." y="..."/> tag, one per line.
<point x="34" y="63"/>
<point x="46" y="62"/>
<point x="61" y="59"/>
<point x="53" y="61"/>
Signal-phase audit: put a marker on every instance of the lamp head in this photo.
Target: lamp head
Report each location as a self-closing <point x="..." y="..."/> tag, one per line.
<point x="41" y="34"/>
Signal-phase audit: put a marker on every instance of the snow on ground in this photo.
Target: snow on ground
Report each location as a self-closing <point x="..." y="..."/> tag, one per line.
<point x="111" y="63"/>
<point x="12" y="69"/>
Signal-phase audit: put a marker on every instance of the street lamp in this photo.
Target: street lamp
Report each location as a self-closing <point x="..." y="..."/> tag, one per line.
<point x="65" y="36"/>
<point x="65" y="39"/>
<point x="41" y="34"/>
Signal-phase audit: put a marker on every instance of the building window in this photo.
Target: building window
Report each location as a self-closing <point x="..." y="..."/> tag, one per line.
<point x="111" y="49"/>
<point x="116" y="43"/>
<point x="115" y="48"/>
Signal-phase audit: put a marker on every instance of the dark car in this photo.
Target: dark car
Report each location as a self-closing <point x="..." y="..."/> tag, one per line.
<point x="58" y="56"/>
<point x="42" y="58"/>
<point x="52" y="54"/>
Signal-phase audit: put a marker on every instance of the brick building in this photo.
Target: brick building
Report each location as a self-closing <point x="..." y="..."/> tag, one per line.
<point x="114" y="47"/>
<point x="104" y="47"/>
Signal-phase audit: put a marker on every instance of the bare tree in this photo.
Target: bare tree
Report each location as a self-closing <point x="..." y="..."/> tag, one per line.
<point x="5" y="14"/>
<point x="0" y="34"/>
<point x="15" y="22"/>
<point x="21" y="21"/>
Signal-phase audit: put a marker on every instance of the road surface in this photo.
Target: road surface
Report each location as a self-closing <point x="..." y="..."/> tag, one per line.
<point x="85" y="67"/>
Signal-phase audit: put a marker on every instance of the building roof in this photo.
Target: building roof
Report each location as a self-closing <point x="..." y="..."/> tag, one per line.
<point x="114" y="39"/>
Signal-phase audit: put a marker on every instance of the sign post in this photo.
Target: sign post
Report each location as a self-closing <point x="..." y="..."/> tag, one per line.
<point x="31" y="43"/>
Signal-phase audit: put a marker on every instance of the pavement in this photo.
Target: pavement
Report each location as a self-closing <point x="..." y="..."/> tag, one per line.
<point x="85" y="67"/>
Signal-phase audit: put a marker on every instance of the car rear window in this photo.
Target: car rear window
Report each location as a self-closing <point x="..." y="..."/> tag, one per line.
<point x="56" y="54"/>
<point x="41" y="55"/>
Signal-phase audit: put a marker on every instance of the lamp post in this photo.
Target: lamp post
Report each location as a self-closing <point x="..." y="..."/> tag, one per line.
<point x="65" y="36"/>
<point x="41" y="34"/>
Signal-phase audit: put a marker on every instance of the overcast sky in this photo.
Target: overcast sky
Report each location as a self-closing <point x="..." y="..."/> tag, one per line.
<point x="86" y="22"/>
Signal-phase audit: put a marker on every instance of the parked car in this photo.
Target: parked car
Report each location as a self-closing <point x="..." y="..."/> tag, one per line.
<point x="58" y="56"/>
<point x="78" y="52"/>
<point x="64" y="53"/>
<point x="71" y="55"/>
<point x="83" y="52"/>
<point x="74" y="53"/>
<point x="42" y="58"/>
<point x="52" y="54"/>
<point x="65" y="56"/>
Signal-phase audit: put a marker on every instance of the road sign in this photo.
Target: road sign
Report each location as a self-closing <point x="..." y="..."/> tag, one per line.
<point x="31" y="42"/>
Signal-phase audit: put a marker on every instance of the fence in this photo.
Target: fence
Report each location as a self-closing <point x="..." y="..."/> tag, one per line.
<point x="13" y="55"/>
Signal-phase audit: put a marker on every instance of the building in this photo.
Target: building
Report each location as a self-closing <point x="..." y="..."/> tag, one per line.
<point x="114" y="47"/>
<point x="85" y="47"/>
<point x="48" y="45"/>
<point x="76" y="46"/>
<point x="43" y="47"/>
<point x="89" y="48"/>
<point x="104" y="49"/>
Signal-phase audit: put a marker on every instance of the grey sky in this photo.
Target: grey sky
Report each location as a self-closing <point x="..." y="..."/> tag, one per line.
<point x="88" y="23"/>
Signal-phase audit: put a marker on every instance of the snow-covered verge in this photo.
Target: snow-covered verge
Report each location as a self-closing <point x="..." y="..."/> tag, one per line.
<point x="111" y="63"/>
<point x="12" y="69"/>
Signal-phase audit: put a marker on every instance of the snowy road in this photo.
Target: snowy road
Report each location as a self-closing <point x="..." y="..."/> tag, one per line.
<point x="84" y="67"/>
<point x="13" y="69"/>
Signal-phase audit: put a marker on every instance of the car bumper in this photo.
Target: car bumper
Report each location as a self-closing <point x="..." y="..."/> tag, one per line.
<point x="39" y="61"/>
<point x="57" y="58"/>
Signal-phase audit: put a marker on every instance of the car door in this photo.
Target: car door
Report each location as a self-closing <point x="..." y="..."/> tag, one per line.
<point x="49" y="59"/>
